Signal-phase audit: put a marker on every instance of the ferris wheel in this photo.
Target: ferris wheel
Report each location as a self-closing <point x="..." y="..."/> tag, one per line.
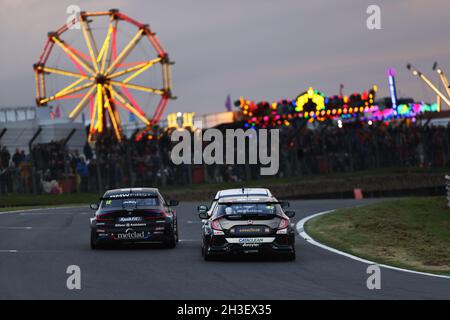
<point x="87" y="64"/>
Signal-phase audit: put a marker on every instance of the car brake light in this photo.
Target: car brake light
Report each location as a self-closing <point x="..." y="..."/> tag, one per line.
<point x="215" y="224"/>
<point x="284" y="223"/>
<point x="157" y="215"/>
<point x="102" y="218"/>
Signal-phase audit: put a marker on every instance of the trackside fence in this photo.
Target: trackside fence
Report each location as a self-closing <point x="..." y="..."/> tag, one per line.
<point x="447" y="187"/>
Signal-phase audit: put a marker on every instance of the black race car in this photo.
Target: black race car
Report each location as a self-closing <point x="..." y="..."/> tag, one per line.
<point x="134" y="215"/>
<point x="248" y="225"/>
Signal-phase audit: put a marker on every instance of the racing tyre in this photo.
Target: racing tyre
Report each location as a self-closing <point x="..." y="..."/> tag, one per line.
<point x="206" y="256"/>
<point x="94" y="243"/>
<point x="172" y="242"/>
<point x="290" y="256"/>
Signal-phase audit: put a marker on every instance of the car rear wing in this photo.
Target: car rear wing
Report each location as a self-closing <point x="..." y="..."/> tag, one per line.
<point x="283" y="204"/>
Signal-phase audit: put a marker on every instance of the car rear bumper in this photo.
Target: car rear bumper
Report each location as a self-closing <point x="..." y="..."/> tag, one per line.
<point x="223" y="246"/>
<point x="133" y="235"/>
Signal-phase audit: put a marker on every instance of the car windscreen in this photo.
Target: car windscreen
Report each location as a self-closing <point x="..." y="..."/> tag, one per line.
<point x="242" y="210"/>
<point x="130" y="203"/>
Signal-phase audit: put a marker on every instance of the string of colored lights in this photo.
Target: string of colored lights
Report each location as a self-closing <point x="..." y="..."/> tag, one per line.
<point x="313" y="105"/>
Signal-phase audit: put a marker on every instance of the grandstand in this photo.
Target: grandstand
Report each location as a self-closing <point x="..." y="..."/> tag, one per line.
<point x="19" y="125"/>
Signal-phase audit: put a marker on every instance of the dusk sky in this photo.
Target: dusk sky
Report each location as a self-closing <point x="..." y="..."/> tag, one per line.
<point x="260" y="49"/>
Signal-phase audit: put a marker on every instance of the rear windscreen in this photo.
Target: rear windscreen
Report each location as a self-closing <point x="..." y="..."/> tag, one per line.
<point x="247" y="209"/>
<point x="131" y="203"/>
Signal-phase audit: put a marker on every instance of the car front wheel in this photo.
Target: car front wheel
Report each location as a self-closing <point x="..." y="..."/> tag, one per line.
<point x="207" y="256"/>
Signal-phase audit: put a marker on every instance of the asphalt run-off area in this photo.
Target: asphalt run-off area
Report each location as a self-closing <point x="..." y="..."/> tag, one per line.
<point x="37" y="246"/>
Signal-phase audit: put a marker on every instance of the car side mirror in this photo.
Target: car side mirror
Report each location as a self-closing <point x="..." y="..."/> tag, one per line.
<point x="203" y="211"/>
<point x="94" y="206"/>
<point x="203" y="216"/>
<point x="173" y="203"/>
<point x="284" y="204"/>
<point x="290" y="214"/>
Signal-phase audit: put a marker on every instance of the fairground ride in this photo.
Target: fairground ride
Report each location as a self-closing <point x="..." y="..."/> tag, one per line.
<point x="122" y="76"/>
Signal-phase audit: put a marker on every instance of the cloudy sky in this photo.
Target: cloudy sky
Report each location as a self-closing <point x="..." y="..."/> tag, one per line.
<point x="261" y="49"/>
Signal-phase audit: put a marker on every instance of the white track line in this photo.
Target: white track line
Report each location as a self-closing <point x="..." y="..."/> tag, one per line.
<point x="29" y="251"/>
<point x="301" y="231"/>
<point x="37" y="209"/>
<point x="16" y="228"/>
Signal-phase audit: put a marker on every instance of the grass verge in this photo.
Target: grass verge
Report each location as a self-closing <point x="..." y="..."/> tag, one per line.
<point x="411" y="233"/>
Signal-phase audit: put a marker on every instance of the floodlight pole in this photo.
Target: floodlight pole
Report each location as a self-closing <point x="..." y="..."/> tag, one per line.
<point x="443" y="78"/>
<point x="429" y="83"/>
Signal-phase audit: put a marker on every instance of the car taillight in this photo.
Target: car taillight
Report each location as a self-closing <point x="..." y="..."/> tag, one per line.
<point x="284" y="223"/>
<point x="215" y="224"/>
<point x="103" y="218"/>
<point x="158" y="215"/>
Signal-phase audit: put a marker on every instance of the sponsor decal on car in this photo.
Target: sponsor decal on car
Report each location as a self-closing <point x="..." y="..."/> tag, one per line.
<point x="250" y="245"/>
<point x="127" y="225"/>
<point x="131" y="235"/>
<point x="249" y="229"/>
<point x="129" y="195"/>
<point x="250" y="240"/>
<point x="129" y="219"/>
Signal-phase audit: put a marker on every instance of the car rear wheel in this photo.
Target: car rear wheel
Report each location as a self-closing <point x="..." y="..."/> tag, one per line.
<point x="172" y="242"/>
<point x="290" y="256"/>
<point x="94" y="243"/>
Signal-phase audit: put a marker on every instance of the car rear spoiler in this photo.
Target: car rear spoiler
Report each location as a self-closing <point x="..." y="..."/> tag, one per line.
<point x="283" y="204"/>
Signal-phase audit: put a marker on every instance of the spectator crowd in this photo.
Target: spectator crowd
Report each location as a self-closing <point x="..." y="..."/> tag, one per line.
<point x="106" y="164"/>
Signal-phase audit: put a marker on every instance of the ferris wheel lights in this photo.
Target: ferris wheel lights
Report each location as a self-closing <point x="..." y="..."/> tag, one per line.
<point x="100" y="93"/>
<point x="146" y="28"/>
<point x="38" y="102"/>
<point x="51" y="35"/>
<point x="37" y="66"/>
<point x="126" y="51"/>
<point x="88" y="42"/>
<point x="81" y="104"/>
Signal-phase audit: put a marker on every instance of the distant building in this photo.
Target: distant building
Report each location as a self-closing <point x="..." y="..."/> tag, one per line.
<point x="19" y="124"/>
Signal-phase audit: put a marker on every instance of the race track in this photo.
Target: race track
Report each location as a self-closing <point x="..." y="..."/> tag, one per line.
<point x="37" y="246"/>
